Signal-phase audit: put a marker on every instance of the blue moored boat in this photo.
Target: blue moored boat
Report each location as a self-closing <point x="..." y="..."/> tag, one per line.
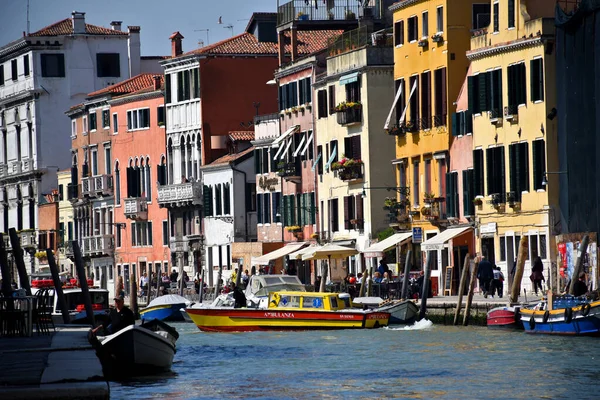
<point x="573" y="316"/>
<point x="165" y="308"/>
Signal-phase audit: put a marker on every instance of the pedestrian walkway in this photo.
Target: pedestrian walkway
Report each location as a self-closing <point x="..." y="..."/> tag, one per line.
<point x="60" y="366"/>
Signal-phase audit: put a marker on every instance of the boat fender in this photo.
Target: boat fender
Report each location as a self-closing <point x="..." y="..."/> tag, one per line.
<point x="568" y="315"/>
<point x="585" y="309"/>
<point x="546" y="316"/>
<point x="532" y="323"/>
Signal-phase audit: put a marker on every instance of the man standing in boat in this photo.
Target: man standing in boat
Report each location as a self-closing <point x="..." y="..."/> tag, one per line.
<point x="120" y="317"/>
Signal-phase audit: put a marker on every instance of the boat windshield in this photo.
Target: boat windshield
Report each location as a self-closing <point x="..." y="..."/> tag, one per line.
<point x="262" y="285"/>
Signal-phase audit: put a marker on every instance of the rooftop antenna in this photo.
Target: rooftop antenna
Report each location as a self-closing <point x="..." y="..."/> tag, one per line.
<point x="27" y="17"/>
<point x="204" y="30"/>
<point x="200" y="43"/>
<point x="230" y="27"/>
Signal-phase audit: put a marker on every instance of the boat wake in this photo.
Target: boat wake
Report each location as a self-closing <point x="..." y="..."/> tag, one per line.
<point x="417" y="326"/>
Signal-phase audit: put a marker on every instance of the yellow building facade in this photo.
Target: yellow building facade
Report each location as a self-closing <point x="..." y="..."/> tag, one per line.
<point x="431" y="39"/>
<point x="512" y="99"/>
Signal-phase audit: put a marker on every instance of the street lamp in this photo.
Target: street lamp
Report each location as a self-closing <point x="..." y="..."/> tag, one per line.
<point x="545" y="177"/>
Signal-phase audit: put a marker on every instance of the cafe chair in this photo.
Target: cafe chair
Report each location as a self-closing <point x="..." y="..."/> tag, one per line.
<point x="43" y="312"/>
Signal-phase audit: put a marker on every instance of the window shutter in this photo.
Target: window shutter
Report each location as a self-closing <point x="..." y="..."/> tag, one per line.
<point x="538" y="164"/>
<point x="480" y="191"/>
<point x="301" y="208"/>
<point x="483" y="92"/>
<point x="265" y="160"/>
<point x="292" y="202"/>
<point x="308" y="90"/>
<point x="301" y="92"/>
<point x="360" y="214"/>
<point x="207" y="200"/>
<point x="525" y="166"/>
<point x="456" y="202"/>
<point x="356" y="152"/>
<point x="522" y="84"/>
<point x="489" y="171"/>
<point x="257" y="162"/>
<point x="465" y="192"/>
<point x="280" y="98"/>
<point x="469" y="121"/>
<point x="348" y="147"/>
<point x="454" y="125"/>
<point x="159" y="174"/>
<point x="448" y="195"/>
<point x="259" y="208"/>
<point x="532" y="80"/>
<point x="502" y="173"/>
<point x="129" y="181"/>
<point x="471" y="93"/>
<point x="513" y="168"/>
<point x="540" y="78"/>
<point x="347" y="212"/>
<point x="444" y="92"/>
<point x="313" y="210"/>
<point x="510" y="72"/>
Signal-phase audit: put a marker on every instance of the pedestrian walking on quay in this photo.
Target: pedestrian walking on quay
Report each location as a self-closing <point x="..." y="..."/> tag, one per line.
<point x="537" y="274"/>
<point x="485" y="274"/>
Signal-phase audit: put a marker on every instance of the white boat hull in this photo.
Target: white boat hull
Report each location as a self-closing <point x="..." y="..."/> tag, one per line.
<point x="139" y="348"/>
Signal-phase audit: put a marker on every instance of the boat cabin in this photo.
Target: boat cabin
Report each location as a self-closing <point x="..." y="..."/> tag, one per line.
<point x="262" y="285"/>
<point x="310" y="301"/>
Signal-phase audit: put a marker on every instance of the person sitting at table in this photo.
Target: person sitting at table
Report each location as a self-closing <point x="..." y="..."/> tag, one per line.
<point x="377" y="277"/>
<point x="386" y="278"/>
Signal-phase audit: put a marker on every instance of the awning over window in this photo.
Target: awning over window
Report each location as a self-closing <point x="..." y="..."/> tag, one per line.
<point x="274" y="255"/>
<point x="299" y="146"/>
<point x="346" y="79"/>
<point x="308" y="142"/>
<point x="289" y="143"/>
<point x="316" y="161"/>
<point x="287" y="133"/>
<point x="297" y="255"/>
<point x="439" y="241"/>
<point x="386" y="244"/>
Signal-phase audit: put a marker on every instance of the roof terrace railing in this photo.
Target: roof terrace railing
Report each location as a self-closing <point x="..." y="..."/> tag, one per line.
<point x="359" y="37"/>
<point x="301" y="10"/>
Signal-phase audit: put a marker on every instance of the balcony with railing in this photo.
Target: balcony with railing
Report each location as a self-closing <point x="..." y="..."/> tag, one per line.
<point x="348" y="169"/>
<point x="180" y="194"/>
<point x="98" y="245"/>
<point x="136" y="208"/>
<point x="358" y="38"/>
<point x="302" y="12"/>
<point x="101" y="185"/>
<point x="289" y="170"/>
<point x="347" y="116"/>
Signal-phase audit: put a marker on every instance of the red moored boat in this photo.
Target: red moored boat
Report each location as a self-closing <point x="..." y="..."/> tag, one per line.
<point x="504" y="317"/>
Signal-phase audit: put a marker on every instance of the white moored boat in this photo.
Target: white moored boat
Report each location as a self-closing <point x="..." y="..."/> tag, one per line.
<point x="138" y="349"/>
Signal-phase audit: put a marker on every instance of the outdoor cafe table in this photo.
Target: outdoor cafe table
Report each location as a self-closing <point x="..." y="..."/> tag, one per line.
<point x="16" y="316"/>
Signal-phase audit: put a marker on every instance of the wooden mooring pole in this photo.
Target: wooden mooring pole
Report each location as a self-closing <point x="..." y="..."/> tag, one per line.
<point x="363" y="283"/>
<point x="15" y="243"/>
<point x="461" y="286"/>
<point x="407" y="265"/>
<point x="60" y="296"/>
<point x="521" y="257"/>
<point x="579" y="264"/>
<point x="85" y="291"/>
<point x="425" y="288"/>
<point x="133" y="298"/>
<point x="470" y="296"/>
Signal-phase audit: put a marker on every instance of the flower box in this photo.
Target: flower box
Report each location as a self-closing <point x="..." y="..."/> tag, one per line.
<point x="293" y="228"/>
<point x="437" y="38"/>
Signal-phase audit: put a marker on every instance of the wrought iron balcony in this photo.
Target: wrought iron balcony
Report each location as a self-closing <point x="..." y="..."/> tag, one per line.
<point x="349" y="116"/>
<point x="136" y="208"/>
<point x="181" y="194"/>
<point x="288" y="169"/>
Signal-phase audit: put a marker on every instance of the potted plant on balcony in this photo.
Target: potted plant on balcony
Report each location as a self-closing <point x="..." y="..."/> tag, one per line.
<point x="478" y="201"/>
<point x="308" y="106"/>
<point x="295" y="110"/>
<point x="437" y="37"/>
<point x="302" y="16"/>
<point x="350" y="14"/>
<point x="426" y="211"/>
<point x="395" y="131"/>
<point x="293" y="228"/>
<point x="390" y="203"/>
<point x="42" y="256"/>
<point x="330" y="15"/>
<point x="429" y="198"/>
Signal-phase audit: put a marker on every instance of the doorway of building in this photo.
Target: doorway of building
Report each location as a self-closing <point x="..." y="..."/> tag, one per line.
<point x="458" y="256"/>
<point x="487" y="249"/>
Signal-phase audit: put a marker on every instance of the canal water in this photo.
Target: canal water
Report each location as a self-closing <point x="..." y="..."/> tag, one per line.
<point x="439" y="362"/>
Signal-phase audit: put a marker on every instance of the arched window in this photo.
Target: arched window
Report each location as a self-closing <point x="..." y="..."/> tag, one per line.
<point x="31" y="206"/>
<point x="142" y="179"/>
<point x="170" y="161"/>
<point x="189" y="172"/>
<point x="182" y="153"/>
<point x="117" y="183"/>
<point x="148" y="180"/>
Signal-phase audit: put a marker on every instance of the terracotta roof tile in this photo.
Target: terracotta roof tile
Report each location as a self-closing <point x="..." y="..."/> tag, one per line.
<point x="65" y="27"/>
<point x="131" y="85"/>
<point x="246" y="43"/>
<point x="242" y="135"/>
<point x="231" y="157"/>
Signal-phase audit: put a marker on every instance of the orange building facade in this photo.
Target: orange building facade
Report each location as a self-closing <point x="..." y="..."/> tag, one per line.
<point x="138" y="145"/>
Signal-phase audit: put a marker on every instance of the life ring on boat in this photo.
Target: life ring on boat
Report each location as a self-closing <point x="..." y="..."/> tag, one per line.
<point x="568" y="315"/>
<point x="546" y="316"/>
<point x="532" y="322"/>
<point x="585" y="309"/>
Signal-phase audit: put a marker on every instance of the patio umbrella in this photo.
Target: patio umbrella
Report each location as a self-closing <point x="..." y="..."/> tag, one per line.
<point x="327" y="252"/>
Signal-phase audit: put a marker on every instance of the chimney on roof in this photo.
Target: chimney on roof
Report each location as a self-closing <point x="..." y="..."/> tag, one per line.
<point x="176" y="49"/>
<point x="135" y="50"/>
<point x="156" y="82"/>
<point x="78" y="20"/>
<point x="116" y="25"/>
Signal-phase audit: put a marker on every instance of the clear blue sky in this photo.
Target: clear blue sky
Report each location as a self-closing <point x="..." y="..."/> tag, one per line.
<point x="157" y="18"/>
